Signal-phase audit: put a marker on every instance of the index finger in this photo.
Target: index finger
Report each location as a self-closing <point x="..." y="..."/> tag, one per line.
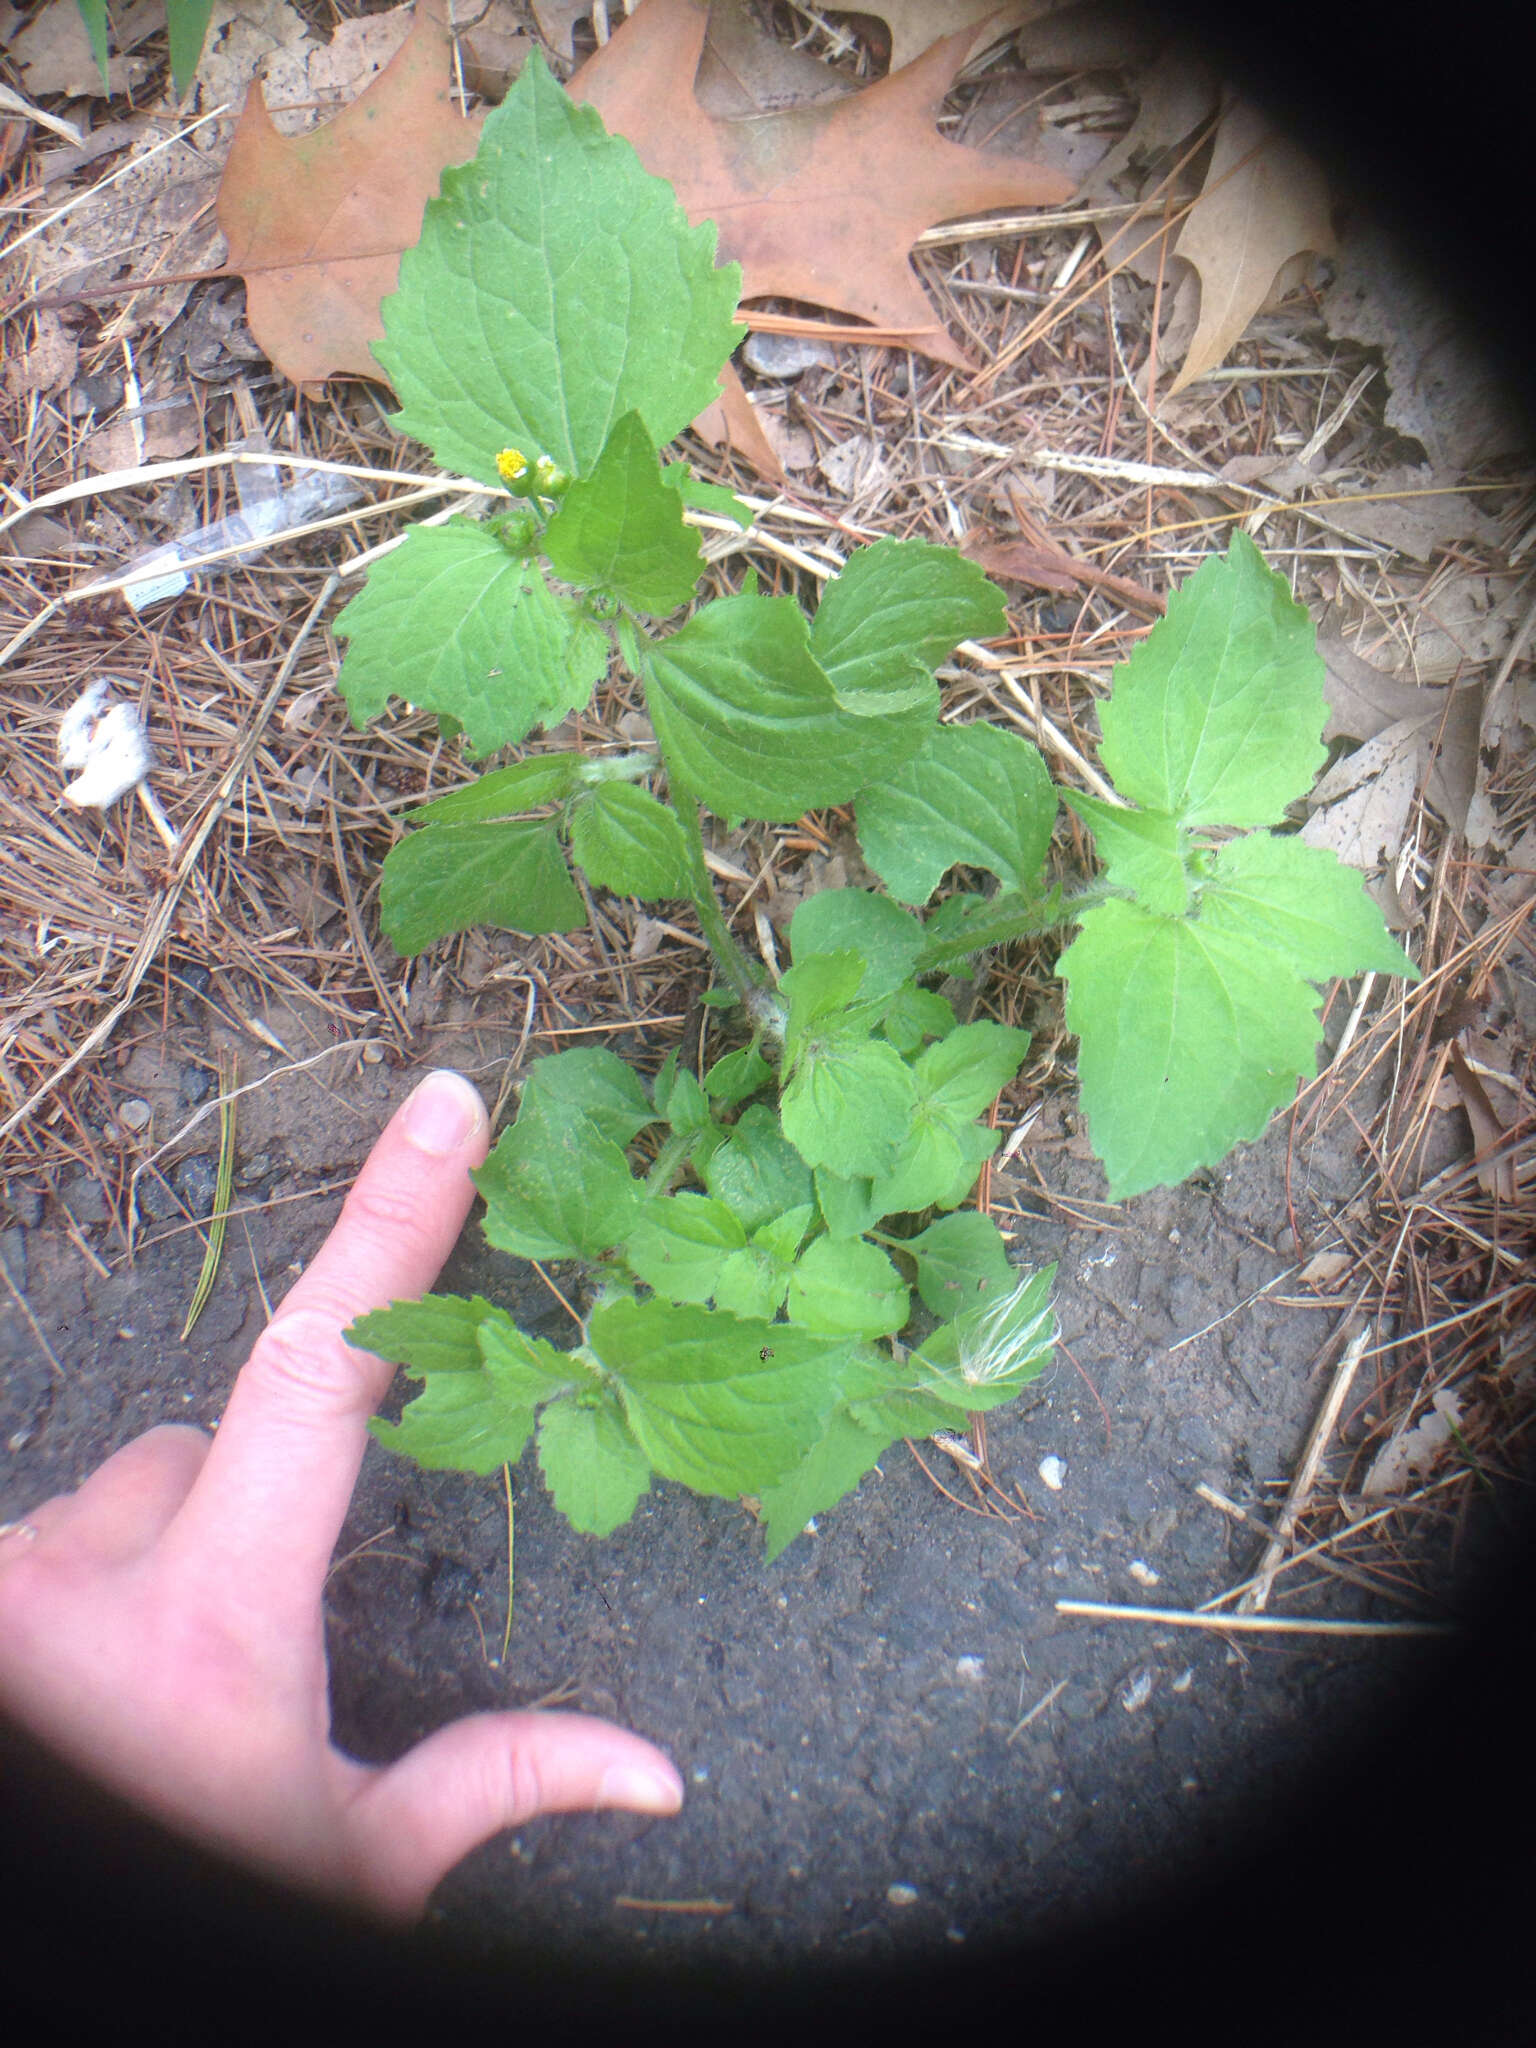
<point x="268" y="1505"/>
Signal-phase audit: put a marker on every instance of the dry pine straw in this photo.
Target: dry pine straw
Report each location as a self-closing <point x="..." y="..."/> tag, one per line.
<point x="280" y="912"/>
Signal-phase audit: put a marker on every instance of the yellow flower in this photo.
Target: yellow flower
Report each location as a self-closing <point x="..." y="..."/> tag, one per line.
<point x="511" y="465"/>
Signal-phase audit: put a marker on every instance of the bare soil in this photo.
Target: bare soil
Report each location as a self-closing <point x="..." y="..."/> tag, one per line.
<point x="865" y="1779"/>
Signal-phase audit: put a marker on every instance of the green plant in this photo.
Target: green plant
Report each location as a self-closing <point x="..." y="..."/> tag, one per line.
<point x="186" y="24"/>
<point x="751" y="1234"/>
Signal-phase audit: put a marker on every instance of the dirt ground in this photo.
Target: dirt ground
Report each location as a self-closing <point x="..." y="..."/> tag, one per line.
<point x="893" y="1743"/>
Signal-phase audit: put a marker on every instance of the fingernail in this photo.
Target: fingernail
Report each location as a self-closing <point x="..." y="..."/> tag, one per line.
<point x="441" y="1113"/>
<point x="639" y="1789"/>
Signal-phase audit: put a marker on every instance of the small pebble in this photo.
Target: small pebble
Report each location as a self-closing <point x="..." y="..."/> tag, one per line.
<point x="1143" y="1573"/>
<point x="973" y="1670"/>
<point x="901" y="1894"/>
<point x="1185" y="1679"/>
<point x="134" y="1114"/>
<point x="1053" y="1473"/>
<point x="785" y="355"/>
<point x="195" y="1180"/>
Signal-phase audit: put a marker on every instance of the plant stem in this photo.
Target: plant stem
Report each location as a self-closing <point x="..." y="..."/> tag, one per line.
<point x="669" y="1158"/>
<point x="1008" y="917"/>
<point x="734" y="964"/>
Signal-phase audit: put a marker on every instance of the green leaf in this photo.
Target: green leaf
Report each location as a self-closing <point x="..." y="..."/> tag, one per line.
<point x="887" y="938"/>
<point x="964" y="1073"/>
<point x="1190" y="1037"/>
<point x="1143" y="851"/>
<point x="757" y="1172"/>
<point x="684" y="1104"/>
<point x="630" y="843"/>
<point x="453" y="623"/>
<point x="849" y="1105"/>
<point x="749" y="722"/>
<point x="721" y="1403"/>
<point x="94" y="14"/>
<point x="622" y="530"/>
<point x="1303" y="904"/>
<point x="831" y="1469"/>
<point x="847" y="1207"/>
<point x="474" y="1413"/>
<point x="962" y="1263"/>
<point x="459" y="1422"/>
<point x="916" y="1014"/>
<point x="937" y="1165"/>
<point x="849" y="1288"/>
<point x="591" y="1464"/>
<point x="505" y="792"/>
<point x="753" y="1282"/>
<point x="598" y="1083"/>
<point x="1195" y="1030"/>
<point x="439" y="1333"/>
<point x="555" y="1187"/>
<point x="450" y="877"/>
<point x="737" y="1075"/>
<point x="528" y="1368"/>
<point x="591" y="295"/>
<point x="1216" y="718"/>
<point x="705" y="497"/>
<point x="975" y="794"/>
<point x="679" y="1244"/>
<point x="186" y="22"/>
<point x="898" y="609"/>
<point x="821" y="991"/>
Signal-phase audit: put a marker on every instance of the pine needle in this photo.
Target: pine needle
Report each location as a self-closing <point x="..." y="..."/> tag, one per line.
<point x="223" y="1187"/>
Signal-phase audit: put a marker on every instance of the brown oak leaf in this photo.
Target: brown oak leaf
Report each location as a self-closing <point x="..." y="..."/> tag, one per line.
<point x="819" y="203"/>
<point x="316" y="223"/>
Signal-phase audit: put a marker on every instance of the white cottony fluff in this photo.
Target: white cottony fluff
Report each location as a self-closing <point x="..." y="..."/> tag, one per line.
<point x="106" y="744"/>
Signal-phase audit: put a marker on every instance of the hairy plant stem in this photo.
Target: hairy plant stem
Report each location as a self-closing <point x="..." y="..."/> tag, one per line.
<point x="669" y="1159"/>
<point x="1007" y="917"/>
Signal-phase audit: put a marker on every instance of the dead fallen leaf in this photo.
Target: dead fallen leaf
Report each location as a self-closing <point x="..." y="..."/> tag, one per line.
<point x="916" y="25"/>
<point x="1412" y="1452"/>
<point x="1263" y="202"/>
<point x="1174" y="95"/>
<point x="556" y="19"/>
<point x="53" y="52"/>
<point x="792" y="445"/>
<point x="48" y="361"/>
<point x="1021" y="561"/>
<point x="1364" y="701"/>
<point x="1444" y="392"/>
<point x="1415" y="512"/>
<point x="856" y="467"/>
<point x="317" y="222"/>
<point x="1496" y="1177"/>
<point x="1463" y="621"/>
<point x="1360" y="807"/>
<point x="1035" y="558"/>
<point x="494" y="50"/>
<point x="743" y="73"/>
<point x="157" y="217"/>
<point x="822" y="203"/>
<point x="1323" y="1268"/>
<point x="733" y="422"/>
<point x="251" y="39"/>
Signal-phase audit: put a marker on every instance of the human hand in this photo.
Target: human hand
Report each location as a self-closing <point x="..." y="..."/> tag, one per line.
<point x="162" y="1626"/>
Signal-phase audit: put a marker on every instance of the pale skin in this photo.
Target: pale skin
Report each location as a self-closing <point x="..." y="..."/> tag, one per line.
<point x="161" y="1627"/>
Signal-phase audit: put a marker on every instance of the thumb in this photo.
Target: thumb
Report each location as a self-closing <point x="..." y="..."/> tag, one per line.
<point x="416" y="1818"/>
